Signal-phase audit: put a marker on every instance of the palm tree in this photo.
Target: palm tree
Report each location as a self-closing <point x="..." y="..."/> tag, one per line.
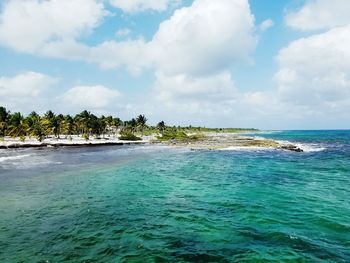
<point x="34" y="126"/>
<point x="95" y="125"/>
<point x="49" y="115"/>
<point x="49" y="123"/>
<point x="4" y="114"/>
<point x="116" y="124"/>
<point x="84" y="123"/>
<point x="56" y="125"/>
<point x="38" y="131"/>
<point x="141" y="122"/>
<point x="17" y="126"/>
<point x="84" y="120"/>
<point x="68" y="126"/>
<point x="132" y="124"/>
<point x="103" y="125"/>
<point x="161" y="127"/>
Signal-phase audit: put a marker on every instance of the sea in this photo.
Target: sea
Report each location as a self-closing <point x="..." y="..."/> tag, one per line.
<point x="153" y="203"/>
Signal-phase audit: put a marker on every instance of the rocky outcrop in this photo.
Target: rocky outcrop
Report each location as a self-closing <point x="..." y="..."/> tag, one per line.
<point x="214" y="141"/>
<point x="291" y="147"/>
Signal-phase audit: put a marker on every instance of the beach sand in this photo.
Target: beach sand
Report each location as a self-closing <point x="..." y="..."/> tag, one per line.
<point x="75" y="140"/>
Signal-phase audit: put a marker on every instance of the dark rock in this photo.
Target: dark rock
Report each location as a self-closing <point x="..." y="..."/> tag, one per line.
<point x="291" y="147"/>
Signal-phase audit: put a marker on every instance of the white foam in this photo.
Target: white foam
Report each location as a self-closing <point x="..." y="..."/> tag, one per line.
<point x="306" y="147"/>
<point x="11" y="158"/>
<point x="310" y="147"/>
<point x="246" y="148"/>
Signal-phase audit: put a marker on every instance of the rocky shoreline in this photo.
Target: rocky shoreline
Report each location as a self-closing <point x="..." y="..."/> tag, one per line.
<point x="209" y="141"/>
<point x="213" y="141"/>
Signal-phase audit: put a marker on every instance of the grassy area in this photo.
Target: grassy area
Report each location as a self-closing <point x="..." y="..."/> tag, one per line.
<point x="223" y="130"/>
<point x="187" y="134"/>
<point x="179" y="135"/>
<point x="128" y="136"/>
<point x="150" y="130"/>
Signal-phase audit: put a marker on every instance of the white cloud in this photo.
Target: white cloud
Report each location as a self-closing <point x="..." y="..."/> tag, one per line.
<point x="123" y="32"/>
<point x="265" y="25"/>
<point x="196" y="40"/>
<point x="192" y="53"/>
<point x="26" y="85"/>
<point x="112" y="54"/>
<point x="320" y="14"/>
<point x="200" y="99"/>
<point x="30" y="25"/>
<point x="24" y="91"/>
<point x="89" y="97"/>
<point x="204" y="38"/>
<point x="200" y="39"/>
<point x="315" y="71"/>
<point x="214" y="88"/>
<point x="143" y="5"/>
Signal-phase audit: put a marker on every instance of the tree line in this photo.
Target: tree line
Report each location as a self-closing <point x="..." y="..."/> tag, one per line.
<point x="50" y="124"/>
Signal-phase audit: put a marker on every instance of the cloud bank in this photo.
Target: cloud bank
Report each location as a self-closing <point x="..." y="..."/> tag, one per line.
<point x="193" y="55"/>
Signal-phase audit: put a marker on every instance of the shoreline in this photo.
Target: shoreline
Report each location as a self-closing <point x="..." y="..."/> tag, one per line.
<point x="226" y="141"/>
<point x="210" y="141"/>
<point x="56" y="145"/>
<point x="77" y="141"/>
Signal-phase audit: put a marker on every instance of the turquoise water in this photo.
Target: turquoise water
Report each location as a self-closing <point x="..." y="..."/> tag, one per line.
<point x="161" y="204"/>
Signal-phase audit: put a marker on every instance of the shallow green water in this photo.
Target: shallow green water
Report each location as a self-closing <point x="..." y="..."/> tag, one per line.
<point x="157" y="204"/>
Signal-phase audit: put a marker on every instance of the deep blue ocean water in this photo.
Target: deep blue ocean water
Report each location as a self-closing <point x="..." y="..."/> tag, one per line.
<point x="161" y="204"/>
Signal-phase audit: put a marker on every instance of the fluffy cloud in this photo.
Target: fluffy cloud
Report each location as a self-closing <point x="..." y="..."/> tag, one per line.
<point x="315" y="71"/>
<point x="142" y="5"/>
<point x="192" y="52"/>
<point x="313" y="82"/>
<point x="52" y="29"/>
<point x="265" y="25"/>
<point x="30" y="25"/>
<point x="199" y="39"/>
<point x="112" y="54"/>
<point x="206" y="37"/>
<point x="21" y="91"/>
<point x="200" y="99"/>
<point x="89" y="97"/>
<point x="320" y="14"/>
<point x="214" y="88"/>
<point x="28" y="84"/>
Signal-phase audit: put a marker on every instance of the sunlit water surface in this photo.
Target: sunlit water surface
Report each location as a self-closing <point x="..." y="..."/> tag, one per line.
<point x="162" y="204"/>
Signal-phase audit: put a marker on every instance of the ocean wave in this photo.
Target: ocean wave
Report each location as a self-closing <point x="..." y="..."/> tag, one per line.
<point x="270" y="132"/>
<point x="247" y="148"/>
<point x="15" y="165"/>
<point x="310" y="147"/>
<point x="11" y="158"/>
<point x="306" y="147"/>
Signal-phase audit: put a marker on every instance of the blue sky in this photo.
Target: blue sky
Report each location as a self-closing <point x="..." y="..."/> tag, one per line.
<point x="227" y="63"/>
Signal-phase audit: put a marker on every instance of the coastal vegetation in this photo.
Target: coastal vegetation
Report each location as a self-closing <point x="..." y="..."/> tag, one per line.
<point x="87" y="125"/>
<point x="179" y="136"/>
<point x="85" y="128"/>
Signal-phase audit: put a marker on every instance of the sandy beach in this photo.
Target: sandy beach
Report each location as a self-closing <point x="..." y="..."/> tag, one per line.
<point x="75" y="140"/>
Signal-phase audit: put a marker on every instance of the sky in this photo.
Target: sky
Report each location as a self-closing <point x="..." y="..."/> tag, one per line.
<point x="227" y="63"/>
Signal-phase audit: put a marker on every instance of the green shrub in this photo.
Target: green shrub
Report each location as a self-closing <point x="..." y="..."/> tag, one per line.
<point x="179" y="136"/>
<point x="86" y="136"/>
<point x="128" y="136"/>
